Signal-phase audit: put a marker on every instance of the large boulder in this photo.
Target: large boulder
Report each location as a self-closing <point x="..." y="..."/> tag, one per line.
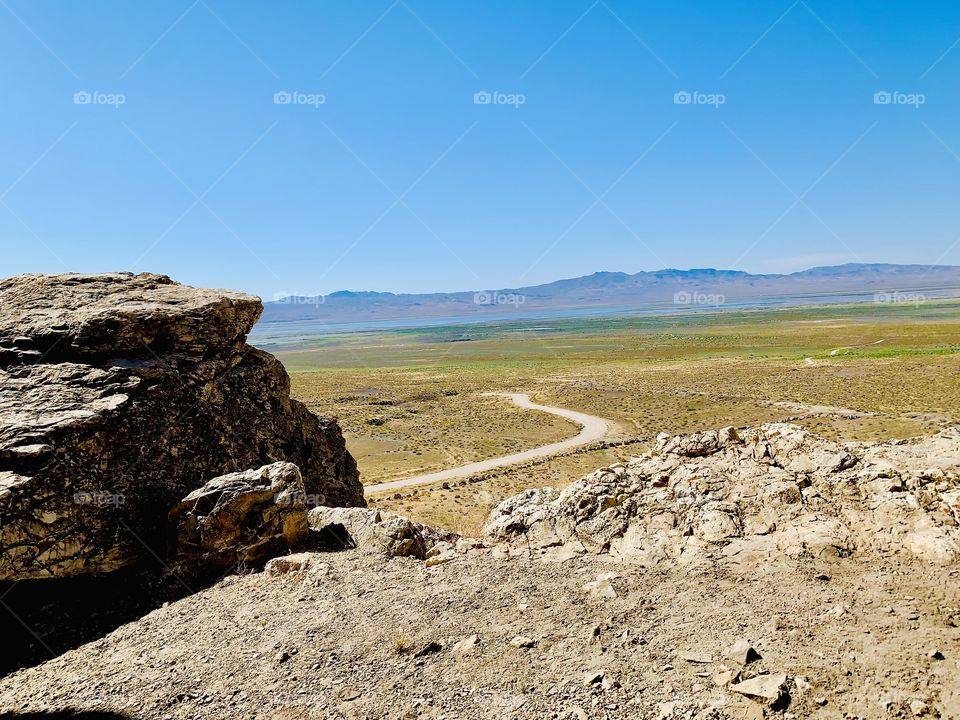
<point x="242" y="518"/>
<point x="746" y="496"/>
<point x="119" y="395"/>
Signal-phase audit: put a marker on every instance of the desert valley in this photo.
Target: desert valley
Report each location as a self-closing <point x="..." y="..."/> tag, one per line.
<point x="765" y="524"/>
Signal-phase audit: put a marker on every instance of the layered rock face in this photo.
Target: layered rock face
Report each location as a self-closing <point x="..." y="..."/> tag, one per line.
<point x="746" y="496"/>
<point x="119" y="395"/>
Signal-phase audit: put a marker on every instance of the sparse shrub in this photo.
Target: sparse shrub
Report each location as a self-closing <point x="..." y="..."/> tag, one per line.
<point x="402" y="643"/>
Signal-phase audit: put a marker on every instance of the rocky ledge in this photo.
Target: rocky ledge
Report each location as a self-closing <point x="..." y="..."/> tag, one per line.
<point x="743" y="496"/>
<point x="121" y="394"/>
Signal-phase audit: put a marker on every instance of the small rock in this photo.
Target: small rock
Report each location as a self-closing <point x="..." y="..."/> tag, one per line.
<point x="602" y="587"/>
<point x="742" y="653"/>
<point x="768" y="688"/>
<point x="593" y="677"/>
<point x="837" y="611"/>
<point x="467" y="645"/>
<point x="724" y="676"/>
<point x="935" y="655"/>
<point x="918" y="707"/>
<point x="523" y="642"/>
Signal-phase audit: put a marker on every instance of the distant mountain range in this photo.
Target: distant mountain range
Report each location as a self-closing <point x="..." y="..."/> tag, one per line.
<point x="696" y="287"/>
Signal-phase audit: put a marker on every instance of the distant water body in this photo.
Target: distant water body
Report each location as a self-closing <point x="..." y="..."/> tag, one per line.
<point x="291" y="334"/>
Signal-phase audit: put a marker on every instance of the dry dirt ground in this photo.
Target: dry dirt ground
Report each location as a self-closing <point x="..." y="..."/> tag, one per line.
<point x="359" y="636"/>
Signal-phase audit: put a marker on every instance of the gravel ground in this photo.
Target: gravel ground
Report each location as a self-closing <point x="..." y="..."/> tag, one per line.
<point x="360" y="636"/>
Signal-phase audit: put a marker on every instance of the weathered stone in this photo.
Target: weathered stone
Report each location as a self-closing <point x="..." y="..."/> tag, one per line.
<point x="121" y="394"/>
<point x="382" y="532"/>
<point x="742" y="653"/>
<point x="245" y="517"/>
<point x="769" y="689"/>
<point x="745" y="496"/>
<point x="118" y="315"/>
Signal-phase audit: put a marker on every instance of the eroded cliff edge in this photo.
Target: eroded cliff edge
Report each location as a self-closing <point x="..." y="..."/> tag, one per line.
<point x="119" y="395"/>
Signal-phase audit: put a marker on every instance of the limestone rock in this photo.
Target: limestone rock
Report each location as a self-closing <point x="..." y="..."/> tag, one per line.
<point x="744" y="496"/>
<point x="381" y="532"/>
<point x="245" y="517"/>
<point x="73" y="316"/>
<point x="766" y="688"/>
<point x="119" y="395"/>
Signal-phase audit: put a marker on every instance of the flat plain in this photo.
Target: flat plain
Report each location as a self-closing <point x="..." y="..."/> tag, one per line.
<point x="412" y="402"/>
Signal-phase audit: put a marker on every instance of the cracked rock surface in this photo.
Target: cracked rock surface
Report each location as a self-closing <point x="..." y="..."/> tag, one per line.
<point x="119" y="395"/>
<point x="732" y="497"/>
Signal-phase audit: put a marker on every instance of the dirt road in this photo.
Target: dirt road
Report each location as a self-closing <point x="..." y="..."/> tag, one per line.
<point x="592" y="428"/>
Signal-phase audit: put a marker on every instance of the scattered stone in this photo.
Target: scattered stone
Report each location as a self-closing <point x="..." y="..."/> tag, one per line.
<point x="742" y="653"/>
<point x="467" y="645"/>
<point x="602" y="587"/>
<point x="768" y="688"/>
<point x="837" y="611"/>
<point x="593" y="677"/>
<point x="724" y="676"/>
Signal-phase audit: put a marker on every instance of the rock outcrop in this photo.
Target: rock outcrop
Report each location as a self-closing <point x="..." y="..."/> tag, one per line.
<point x="241" y="518"/>
<point x="119" y="395"/>
<point x="378" y="532"/>
<point x="742" y="496"/>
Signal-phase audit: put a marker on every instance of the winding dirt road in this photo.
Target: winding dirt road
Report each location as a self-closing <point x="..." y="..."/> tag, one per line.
<point x="592" y="428"/>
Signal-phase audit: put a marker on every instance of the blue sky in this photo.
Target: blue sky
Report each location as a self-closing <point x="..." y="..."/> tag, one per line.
<point x="384" y="173"/>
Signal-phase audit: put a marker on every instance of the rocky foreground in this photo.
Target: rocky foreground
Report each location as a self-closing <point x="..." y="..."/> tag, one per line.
<point x="759" y="572"/>
<point x="120" y="395"/>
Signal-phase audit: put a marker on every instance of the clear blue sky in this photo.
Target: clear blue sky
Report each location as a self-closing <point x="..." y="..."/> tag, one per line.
<point x="399" y="181"/>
